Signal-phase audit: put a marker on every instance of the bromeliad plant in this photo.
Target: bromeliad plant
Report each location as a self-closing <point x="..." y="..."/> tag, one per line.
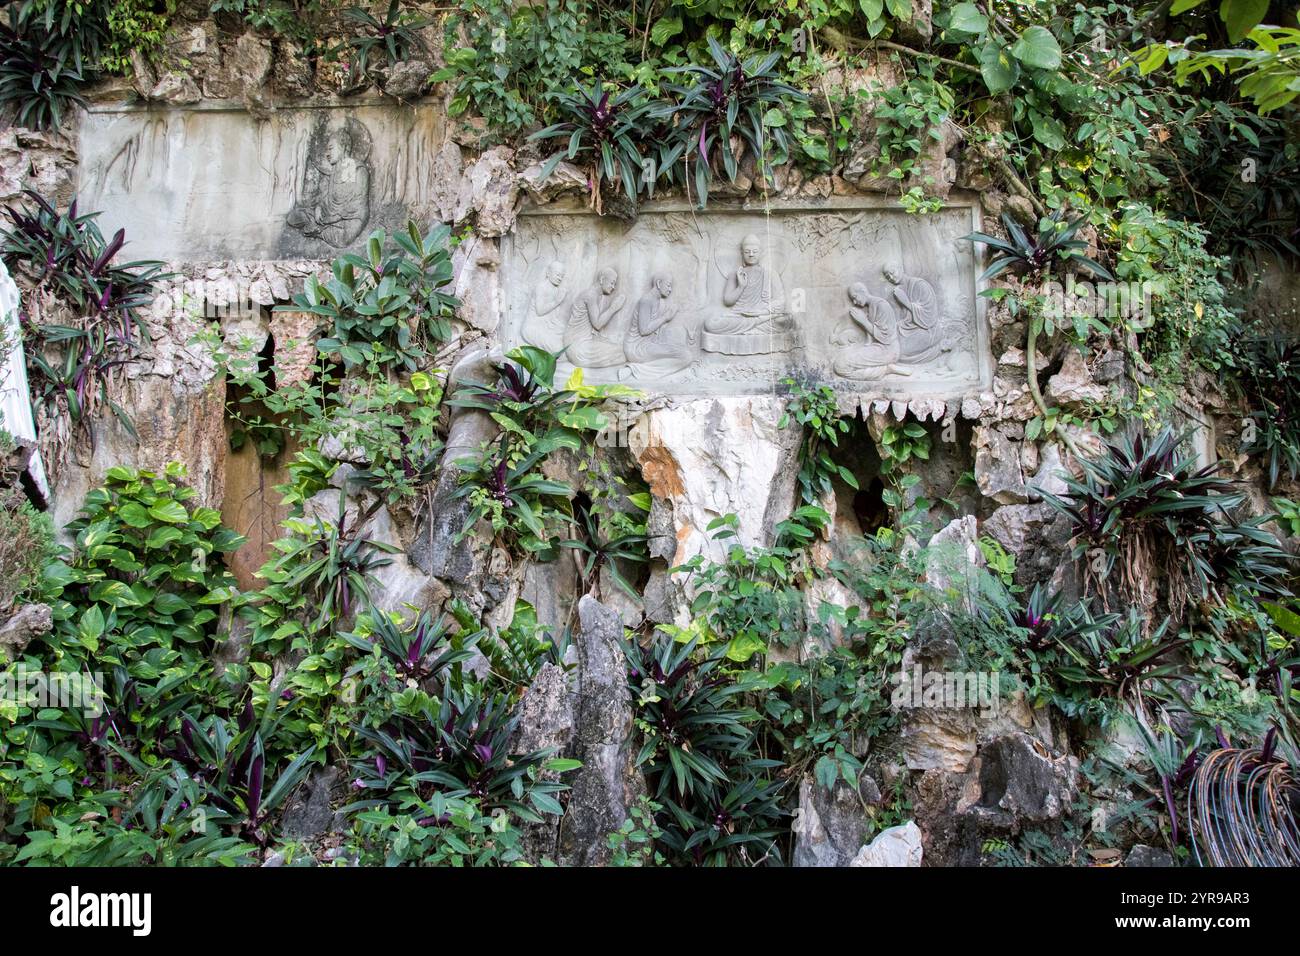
<point x="419" y="652"/>
<point x="227" y="767"/>
<point x="456" y="745"/>
<point x="731" y="109"/>
<point x="1053" y="242"/>
<point x="604" y="130"/>
<point x="1145" y="506"/>
<point x="49" y="51"/>
<point x="396" y="36"/>
<point x="65" y="254"/>
<point x="385" y="306"/>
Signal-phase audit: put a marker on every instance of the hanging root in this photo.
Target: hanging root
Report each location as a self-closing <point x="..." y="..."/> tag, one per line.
<point x="1242" y="810"/>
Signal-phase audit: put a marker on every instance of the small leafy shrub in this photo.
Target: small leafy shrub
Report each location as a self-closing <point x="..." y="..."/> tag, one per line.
<point x="385" y="306"/>
<point x="1271" y="381"/>
<point x="633" y="843"/>
<point x="815" y="409"/>
<point x="318" y="580"/>
<point x="1192" y="321"/>
<point x="910" y="113"/>
<point x="503" y="482"/>
<point x="443" y="831"/>
<point x="26" y="545"/>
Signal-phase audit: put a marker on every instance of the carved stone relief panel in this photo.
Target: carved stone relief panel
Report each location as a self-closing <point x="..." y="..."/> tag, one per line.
<point x="734" y="300"/>
<point x="210" y="184"/>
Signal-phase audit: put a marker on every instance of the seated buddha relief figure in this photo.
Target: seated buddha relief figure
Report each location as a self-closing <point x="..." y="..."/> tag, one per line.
<point x="755" y="318"/>
<point x="545" y="327"/>
<point x="334" y="205"/>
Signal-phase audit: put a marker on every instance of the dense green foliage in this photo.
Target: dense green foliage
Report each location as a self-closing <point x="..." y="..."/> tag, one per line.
<point x="1152" y="146"/>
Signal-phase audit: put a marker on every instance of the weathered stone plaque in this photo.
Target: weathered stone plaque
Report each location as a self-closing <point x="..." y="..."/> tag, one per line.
<point x="209" y="184"/>
<point x="853" y="292"/>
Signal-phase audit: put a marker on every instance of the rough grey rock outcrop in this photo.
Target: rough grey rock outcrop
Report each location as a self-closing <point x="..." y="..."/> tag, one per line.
<point x="28" y="622"/>
<point x="1148" y="856"/>
<point x="437" y="547"/>
<point x="408" y="79"/>
<point x="997" y="466"/>
<point x="831" y="826"/>
<point x="609" y="781"/>
<point x="490" y="191"/>
<point x="310" y="814"/>
<point x="564" y="178"/>
<point x="1073" y="385"/>
<point x="586" y="715"/>
<point x="1021" y="781"/>
<point x="897" y="846"/>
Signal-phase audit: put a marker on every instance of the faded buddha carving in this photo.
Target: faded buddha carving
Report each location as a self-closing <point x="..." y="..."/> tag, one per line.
<point x="547" y="331"/>
<point x="702" y="304"/>
<point x="755" y="319"/>
<point x="335" y="202"/>
<point x="921" y="331"/>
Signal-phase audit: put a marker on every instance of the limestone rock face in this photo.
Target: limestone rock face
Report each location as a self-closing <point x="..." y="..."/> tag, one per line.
<point x="1021" y="781"/>
<point x="407" y="79"/>
<point x="897" y="846"/>
<point x="952" y="555"/>
<point x="564" y="178"/>
<point x="1039" y="537"/>
<point x="831" y="826"/>
<point x="588" y="716"/>
<point x="310" y="814"/>
<point x="42" y="162"/>
<point x="437" y="547"/>
<point x="1015" y="781"/>
<point x="546" y="722"/>
<point x="244" y="72"/>
<point x="934" y="736"/>
<point x="997" y="466"/>
<point x="1073" y="385"/>
<point x="708" y="458"/>
<point x="28" y="622"/>
<point x="490" y="190"/>
<point x="609" y="781"/>
<point x="177" y="419"/>
<point x="176" y="89"/>
<point x="444" y="180"/>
